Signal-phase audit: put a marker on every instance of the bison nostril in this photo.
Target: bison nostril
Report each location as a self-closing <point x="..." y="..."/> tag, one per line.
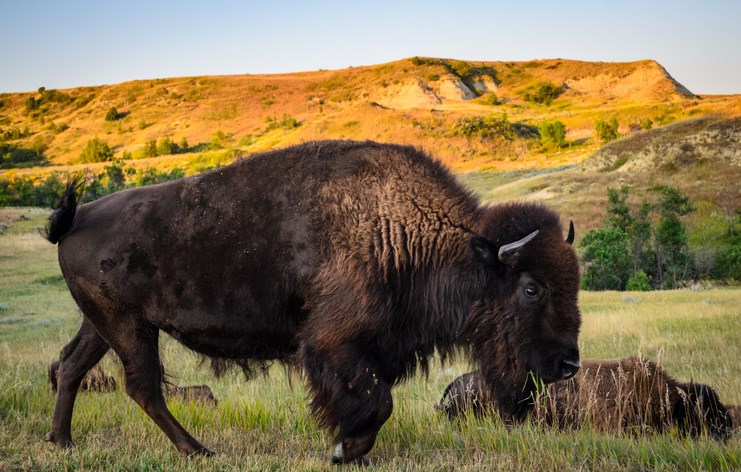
<point x="569" y="369"/>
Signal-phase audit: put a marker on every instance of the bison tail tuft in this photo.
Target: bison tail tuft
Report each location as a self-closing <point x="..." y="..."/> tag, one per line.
<point x="61" y="220"/>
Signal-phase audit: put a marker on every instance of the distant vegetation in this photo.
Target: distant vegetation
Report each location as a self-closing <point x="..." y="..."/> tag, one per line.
<point x="485" y="127"/>
<point x="544" y="94"/>
<point x="552" y="133"/>
<point x="96" y="150"/>
<point x="607" y="131"/>
<point x="648" y="247"/>
<point x="18" y="191"/>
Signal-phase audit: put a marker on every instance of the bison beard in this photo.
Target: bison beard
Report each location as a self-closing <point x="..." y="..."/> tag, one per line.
<point x="356" y="261"/>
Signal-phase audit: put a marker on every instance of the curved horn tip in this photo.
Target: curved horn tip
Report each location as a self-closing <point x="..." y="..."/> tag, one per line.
<point x="570" y="236"/>
<point x="507" y="251"/>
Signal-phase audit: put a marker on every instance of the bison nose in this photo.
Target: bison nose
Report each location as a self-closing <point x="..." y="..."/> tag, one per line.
<point x="569" y="368"/>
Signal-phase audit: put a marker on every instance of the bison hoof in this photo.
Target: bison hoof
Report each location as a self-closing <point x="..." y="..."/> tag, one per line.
<point x="64" y="443"/>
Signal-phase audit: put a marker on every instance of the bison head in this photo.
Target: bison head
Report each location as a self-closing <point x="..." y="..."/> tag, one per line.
<point x="524" y="327"/>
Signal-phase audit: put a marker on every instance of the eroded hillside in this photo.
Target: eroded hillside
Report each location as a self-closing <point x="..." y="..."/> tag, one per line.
<point x="472" y="115"/>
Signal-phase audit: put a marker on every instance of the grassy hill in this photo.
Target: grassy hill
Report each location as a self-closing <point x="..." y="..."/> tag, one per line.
<point x="472" y="115"/>
<point x="701" y="157"/>
<point x="480" y="118"/>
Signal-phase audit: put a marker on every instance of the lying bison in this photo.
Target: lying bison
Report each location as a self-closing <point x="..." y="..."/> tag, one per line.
<point x="96" y="380"/>
<point x="631" y="394"/>
<point x="356" y="261"/>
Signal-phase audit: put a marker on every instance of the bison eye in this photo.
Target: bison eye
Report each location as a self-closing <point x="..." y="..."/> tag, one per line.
<point x="532" y="290"/>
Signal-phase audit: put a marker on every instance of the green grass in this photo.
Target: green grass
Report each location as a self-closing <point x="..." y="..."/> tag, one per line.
<point x="264" y="424"/>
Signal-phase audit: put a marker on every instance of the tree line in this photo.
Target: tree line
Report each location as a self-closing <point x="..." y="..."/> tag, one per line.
<point x="647" y="247"/>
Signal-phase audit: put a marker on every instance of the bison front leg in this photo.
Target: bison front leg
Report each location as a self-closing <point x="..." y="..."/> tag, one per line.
<point x="350" y="396"/>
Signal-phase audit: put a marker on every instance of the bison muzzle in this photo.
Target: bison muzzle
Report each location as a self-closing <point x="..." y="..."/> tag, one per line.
<point x="355" y="261"/>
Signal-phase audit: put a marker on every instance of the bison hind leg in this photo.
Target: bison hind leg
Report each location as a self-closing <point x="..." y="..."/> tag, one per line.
<point x="139" y="355"/>
<point x="76" y="359"/>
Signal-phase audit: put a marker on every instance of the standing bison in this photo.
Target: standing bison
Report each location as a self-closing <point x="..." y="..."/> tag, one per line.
<point x="356" y="261"/>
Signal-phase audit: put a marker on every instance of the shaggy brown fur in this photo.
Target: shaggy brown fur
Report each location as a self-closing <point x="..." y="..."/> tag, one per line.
<point x="193" y="393"/>
<point x="631" y="394"/>
<point x="95" y="379"/>
<point x="356" y="261"/>
<point x="735" y="412"/>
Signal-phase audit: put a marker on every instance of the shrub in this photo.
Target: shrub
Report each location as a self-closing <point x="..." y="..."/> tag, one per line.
<point x="545" y="93"/>
<point x="166" y="147"/>
<point x="150" y="148"/>
<point x="607" y="130"/>
<point x="112" y="114"/>
<point x="218" y="140"/>
<point x="552" y="133"/>
<point x="606" y="259"/>
<point x="96" y="150"/>
<point x="490" y="99"/>
<point x="639" y="282"/>
<point x="646" y="124"/>
<point x="486" y="127"/>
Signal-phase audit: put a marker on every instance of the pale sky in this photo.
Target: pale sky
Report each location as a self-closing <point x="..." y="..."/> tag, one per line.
<point x="61" y="44"/>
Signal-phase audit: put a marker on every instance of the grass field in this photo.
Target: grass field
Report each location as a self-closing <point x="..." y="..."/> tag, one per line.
<point x="264" y="424"/>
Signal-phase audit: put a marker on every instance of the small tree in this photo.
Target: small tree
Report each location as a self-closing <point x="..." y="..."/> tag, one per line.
<point x="545" y="94"/>
<point x="150" y="148"/>
<point x="671" y="241"/>
<point x="552" y="133"/>
<point x="96" y="150"/>
<point x="166" y="147"/>
<point x="112" y="114"/>
<point x="183" y="145"/>
<point x="607" y="262"/>
<point x="607" y="130"/>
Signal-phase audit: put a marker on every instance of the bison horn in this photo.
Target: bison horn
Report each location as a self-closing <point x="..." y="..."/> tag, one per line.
<point x="509" y="252"/>
<point x="570" y="237"/>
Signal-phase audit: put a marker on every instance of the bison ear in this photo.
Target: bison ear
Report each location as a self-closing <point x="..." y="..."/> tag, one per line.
<point x="484" y="250"/>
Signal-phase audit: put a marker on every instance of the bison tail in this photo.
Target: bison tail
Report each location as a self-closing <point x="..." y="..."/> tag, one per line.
<point x="61" y="220"/>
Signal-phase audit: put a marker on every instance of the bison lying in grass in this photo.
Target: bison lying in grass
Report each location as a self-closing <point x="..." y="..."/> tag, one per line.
<point x="96" y="380"/>
<point x="633" y="395"/>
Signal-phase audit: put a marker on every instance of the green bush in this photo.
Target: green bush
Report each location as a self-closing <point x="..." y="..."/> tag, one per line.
<point x="545" y="93"/>
<point x="96" y="150"/>
<point x="552" y="133"/>
<point x="166" y="147"/>
<point x="639" y="282"/>
<point x="490" y="99"/>
<point x="607" y="130"/>
<point x="112" y="114"/>
<point x="486" y="127"/>
<point x="606" y="259"/>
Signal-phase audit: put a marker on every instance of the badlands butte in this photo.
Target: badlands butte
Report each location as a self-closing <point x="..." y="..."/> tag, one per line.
<point x="482" y="119"/>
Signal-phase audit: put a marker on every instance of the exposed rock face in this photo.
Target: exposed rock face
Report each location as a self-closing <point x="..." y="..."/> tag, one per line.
<point x="424" y="94"/>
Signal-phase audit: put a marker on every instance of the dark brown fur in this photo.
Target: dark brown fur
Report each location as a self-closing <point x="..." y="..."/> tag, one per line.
<point x="631" y="395"/>
<point x="193" y="394"/>
<point x="356" y="261"/>
<point x="734" y="411"/>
